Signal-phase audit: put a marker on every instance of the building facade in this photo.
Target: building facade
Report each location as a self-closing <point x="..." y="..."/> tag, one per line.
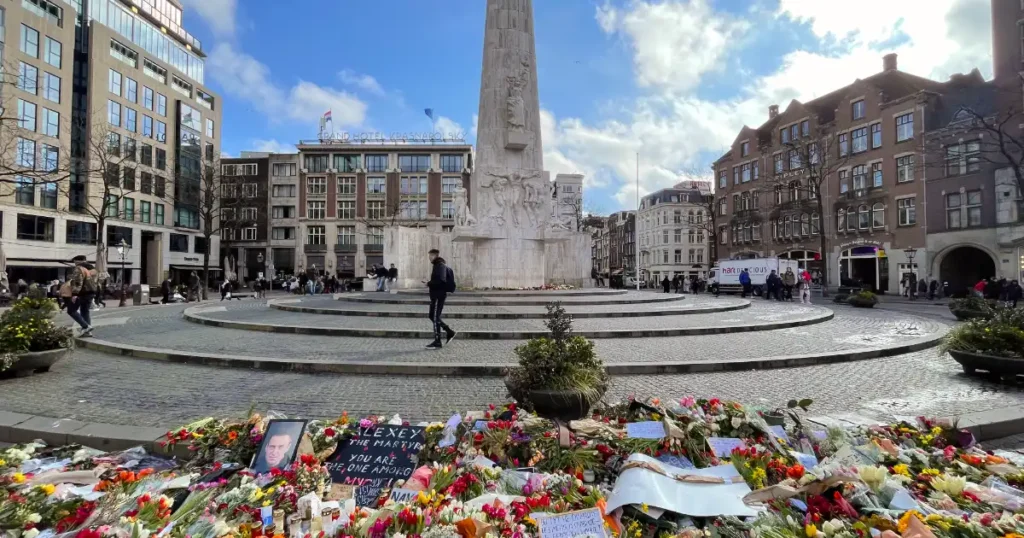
<point x="599" y="245"/>
<point x="568" y="206"/>
<point x="284" y="212"/>
<point x="245" y="214"/>
<point x="673" y="234"/>
<point x="140" y="125"/>
<point x="622" y="243"/>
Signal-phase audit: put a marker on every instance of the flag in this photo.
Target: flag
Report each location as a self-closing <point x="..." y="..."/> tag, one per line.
<point x="429" y="112"/>
<point x="327" y="116"/>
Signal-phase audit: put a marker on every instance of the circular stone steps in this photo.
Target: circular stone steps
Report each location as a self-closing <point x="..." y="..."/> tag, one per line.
<point x="472" y="300"/>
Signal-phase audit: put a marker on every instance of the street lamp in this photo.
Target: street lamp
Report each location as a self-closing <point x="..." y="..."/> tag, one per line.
<point x="122" y="250"/>
<point x="910" y="252"/>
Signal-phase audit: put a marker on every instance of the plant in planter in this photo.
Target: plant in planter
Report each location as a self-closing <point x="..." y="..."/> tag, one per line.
<point x="777" y="417"/>
<point x="29" y="339"/>
<point x="558" y="376"/>
<point x="862" y="299"/>
<point x="971" y="308"/>
<point x="840" y="298"/>
<point x="995" y="344"/>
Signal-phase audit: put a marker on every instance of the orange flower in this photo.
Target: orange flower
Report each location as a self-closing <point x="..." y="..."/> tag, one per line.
<point x="232" y="435"/>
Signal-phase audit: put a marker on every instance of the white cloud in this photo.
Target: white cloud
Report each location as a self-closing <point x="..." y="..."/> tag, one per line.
<point x="219" y="15"/>
<point x="448" y="127"/>
<point x="272" y="146"/>
<point x="361" y="81"/>
<point x="249" y="80"/>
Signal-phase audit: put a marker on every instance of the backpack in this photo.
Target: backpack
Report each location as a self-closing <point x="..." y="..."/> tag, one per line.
<point x="88" y="280"/>
<point x="449" y="280"/>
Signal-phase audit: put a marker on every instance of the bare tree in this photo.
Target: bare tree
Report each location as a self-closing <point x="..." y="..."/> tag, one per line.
<point x="796" y="173"/>
<point x="584" y="212"/>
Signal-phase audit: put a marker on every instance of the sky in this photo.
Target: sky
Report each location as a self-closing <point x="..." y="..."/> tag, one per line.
<point x="670" y="81"/>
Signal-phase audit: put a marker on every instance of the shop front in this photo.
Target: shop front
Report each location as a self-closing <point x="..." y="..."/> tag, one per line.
<point x="864" y="266"/>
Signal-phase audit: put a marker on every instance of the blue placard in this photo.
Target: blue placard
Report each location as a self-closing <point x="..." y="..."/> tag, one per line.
<point x="645" y="430"/>
<point x="723" y="446"/>
<point x="809" y="461"/>
<point x="480" y="426"/>
<point x="676" y="461"/>
<point x="798" y="504"/>
<point x="820" y="435"/>
<point x="779" y="432"/>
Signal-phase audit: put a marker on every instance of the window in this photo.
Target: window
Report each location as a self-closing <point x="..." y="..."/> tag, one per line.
<point x="812" y="151"/>
<point x="129" y="148"/>
<point x="374" y="209"/>
<point x="794" y="191"/>
<point x="794" y="132"/>
<point x="111" y="206"/>
<point x="317" y="163"/>
<point x="51" y="123"/>
<point x="283" y="212"/>
<point x="735" y="175"/>
<point x="180" y="86"/>
<point x="878" y="215"/>
<point x="784" y="135"/>
<point x="316" y="210"/>
<point x="50" y="157"/>
<point x="755" y="170"/>
<point x="154" y="71"/>
<point x="972" y="156"/>
<point x="805" y="225"/>
<point x="248" y="214"/>
<point x="204" y="99"/>
<point x="160" y="213"/>
<point x="722" y="207"/>
<point x="844" y="181"/>
<point x="860" y="140"/>
<point x="347" y="186"/>
<point x="178" y="242"/>
<point x="113" y="113"/>
<point x="375" y="185"/>
<point x="860" y="177"/>
<point x="876" y="135"/>
<point x="123" y="53"/>
<point x="130" y="120"/>
<point x="778" y="163"/>
<point x="129" y="209"/>
<point x="282" y="233"/>
<point x="815" y="224"/>
<point x="161" y="131"/>
<point x="129" y="179"/>
<point x="744" y="149"/>
<point x="51" y="87"/>
<point x="26" y="115"/>
<point x="316" y="185"/>
<point x="664" y="237"/>
<point x="346" y="235"/>
<point x="316" y="235"/>
<point x="28" y="78"/>
<point x="34" y="228"/>
<point x="745" y="172"/>
<point x="376" y="163"/>
<point x="249" y="234"/>
<point x="161" y="104"/>
<point x="284" y="191"/>
<point x="375" y="235"/>
<point x="347" y="209"/>
<point x="413" y="185"/>
<point x="794" y="160"/>
<point x="841" y="220"/>
<point x="723" y="180"/>
<point x="161" y="159"/>
<point x="30" y="41"/>
<point x="858" y="109"/>
<point x="209" y="128"/>
<point x="805" y="128"/>
<point x="778" y="195"/>
<point x="447" y="209"/>
<point x="346" y="163"/>
<point x="147" y="97"/>
<point x="974" y="208"/>
<point x="147" y="126"/>
<point x="414" y="163"/>
<point x="723" y="235"/>
<point x="80" y="233"/>
<point x="449" y="184"/>
<point x="114" y="82"/>
<point x="285" y="169"/>
<point x="249" y="190"/>
<point x="907" y="212"/>
<point x="788" y="228"/>
<point x="905" y="127"/>
<point x="414" y="209"/>
<point x="26" y="153"/>
<point x="25" y="191"/>
<point x="953" y="211"/>
<point x="844" y="145"/>
<point x="905" y="168"/>
<point x="132" y="90"/>
<point x="147" y="183"/>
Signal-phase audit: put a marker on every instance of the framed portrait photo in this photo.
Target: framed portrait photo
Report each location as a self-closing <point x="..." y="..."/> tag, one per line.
<point x="279" y="447"/>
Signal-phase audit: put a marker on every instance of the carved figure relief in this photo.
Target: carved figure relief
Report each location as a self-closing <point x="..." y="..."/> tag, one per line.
<point x="508" y="191"/>
<point x="462" y="215"/>
<point x="515" y="106"/>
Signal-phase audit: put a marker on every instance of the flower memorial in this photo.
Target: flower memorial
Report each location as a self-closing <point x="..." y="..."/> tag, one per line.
<point x="642" y="468"/>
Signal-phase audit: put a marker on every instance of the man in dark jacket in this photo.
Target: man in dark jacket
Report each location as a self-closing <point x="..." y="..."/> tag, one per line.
<point x="392" y="277"/>
<point x="438" y="286"/>
<point x="1013" y="294"/>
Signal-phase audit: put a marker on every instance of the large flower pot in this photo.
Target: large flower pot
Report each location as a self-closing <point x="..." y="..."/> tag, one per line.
<point x="967" y="315"/>
<point x="971" y="362"/>
<point x="556" y="404"/>
<point x="36" y="362"/>
<point x="773" y="419"/>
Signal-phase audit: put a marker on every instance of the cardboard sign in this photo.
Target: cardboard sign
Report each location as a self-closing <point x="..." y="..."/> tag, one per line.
<point x="809" y="461"/>
<point x="341" y="492"/>
<point x="677" y="461"/>
<point x="374" y="458"/>
<point x="645" y="430"/>
<point x="723" y="446"/>
<point x="580" y="524"/>
<point x="402" y="496"/>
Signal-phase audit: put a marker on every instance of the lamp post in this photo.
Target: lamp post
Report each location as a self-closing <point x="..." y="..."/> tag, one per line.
<point x="122" y="250"/>
<point x="910" y="252"/>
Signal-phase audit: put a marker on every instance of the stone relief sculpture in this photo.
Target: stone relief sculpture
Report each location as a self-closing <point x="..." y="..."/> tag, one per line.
<point x="515" y="106"/>
<point x="462" y="215"/>
<point x="507" y="191"/>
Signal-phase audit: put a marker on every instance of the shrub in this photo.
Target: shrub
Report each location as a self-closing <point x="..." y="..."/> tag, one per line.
<point x="28" y="326"/>
<point x="1001" y="335"/>
<point x="840" y="298"/>
<point x="560" y="361"/>
<point x="971" y="307"/>
<point x="863" y="299"/>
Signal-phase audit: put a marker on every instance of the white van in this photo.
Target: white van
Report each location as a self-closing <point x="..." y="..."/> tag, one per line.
<point x="725" y="275"/>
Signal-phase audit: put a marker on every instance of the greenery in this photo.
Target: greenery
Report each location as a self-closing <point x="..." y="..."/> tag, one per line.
<point x="863" y="299"/>
<point x="1001" y="335"/>
<point x="840" y="298"/>
<point x="971" y="307"/>
<point x="560" y="361"/>
<point x="28" y="326"/>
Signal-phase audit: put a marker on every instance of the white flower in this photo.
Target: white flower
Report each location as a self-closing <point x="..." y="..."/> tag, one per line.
<point x="714" y="427"/>
<point x="35" y="518"/>
<point x="31" y="533"/>
<point x="737" y="422"/>
<point x="832" y="526"/>
<point x="950" y="485"/>
<point x="873" y="476"/>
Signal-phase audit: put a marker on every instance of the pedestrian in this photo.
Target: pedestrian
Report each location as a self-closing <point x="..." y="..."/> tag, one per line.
<point x="805" y="288"/>
<point x="788" y="281"/>
<point x="1013" y="294"/>
<point x="675" y="283"/>
<point x="166" y="289"/>
<point x="745" y="282"/>
<point x="311" y="275"/>
<point x="101" y="292"/>
<point x="1003" y="287"/>
<point x="992" y="289"/>
<point x="193" y="287"/>
<point x="922" y="287"/>
<point x="933" y="288"/>
<point x="772" y="284"/>
<point x="382" y="278"/>
<point x="441" y="283"/>
<point x="392" y="277"/>
<point x="945" y="290"/>
<point x="694" y="285"/>
<point x="225" y="290"/>
<point x="666" y="284"/>
<point x="83" y="290"/>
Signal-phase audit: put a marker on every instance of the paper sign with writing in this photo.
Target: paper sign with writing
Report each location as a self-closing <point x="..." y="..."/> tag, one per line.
<point x="807" y="460"/>
<point x="581" y="524"/>
<point x="374" y="458"/>
<point x="676" y="461"/>
<point x="449" y="431"/>
<point x="779" y="432"/>
<point x="645" y="430"/>
<point x="402" y="496"/>
<point x="480" y="425"/>
<point x="723" y="446"/>
<point x="341" y="492"/>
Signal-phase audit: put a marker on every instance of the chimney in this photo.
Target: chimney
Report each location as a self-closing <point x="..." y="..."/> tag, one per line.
<point x="889" y="62"/>
<point x="773" y="110"/>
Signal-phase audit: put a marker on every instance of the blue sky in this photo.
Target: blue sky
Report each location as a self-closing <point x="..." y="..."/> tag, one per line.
<point x="672" y="80"/>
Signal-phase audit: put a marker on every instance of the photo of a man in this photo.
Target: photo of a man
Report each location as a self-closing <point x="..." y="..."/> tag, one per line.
<point x="279" y="447"/>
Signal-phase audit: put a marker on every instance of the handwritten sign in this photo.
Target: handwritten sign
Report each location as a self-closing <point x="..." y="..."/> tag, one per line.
<point x="779" y="432"/>
<point x="581" y="524"/>
<point x="676" y="461"/>
<point x="449" y="431"/>
<point x="374" y="458"/>
<point x="723" y="446"/>
<point x="645" y="430"/>
<point x="402" y="496"/>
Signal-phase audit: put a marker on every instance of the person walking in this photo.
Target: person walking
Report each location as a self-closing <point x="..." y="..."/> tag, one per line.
<point x="772" y="284"/>
<point x="225" y="289"/>
<point x="311" y="275"/>
<point x="83" y="290"/>
<point x="922" y="287"/>
<point x="392" y="277"/>
<point x="167" y="289"/>
<point x="1013" y="294"/>
<point x="666" y="284"/>
<point x="804" y="284"/>
<point x="694" y="285"/>
<point x="788" y="281"/>
<point x="441" y="283"/>
<point x="933" y="288"/>
<point x="745" y="282"/>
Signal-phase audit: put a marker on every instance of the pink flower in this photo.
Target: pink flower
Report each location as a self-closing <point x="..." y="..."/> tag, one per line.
<point x="688" y="401"/>
<point x="365" y="423"/>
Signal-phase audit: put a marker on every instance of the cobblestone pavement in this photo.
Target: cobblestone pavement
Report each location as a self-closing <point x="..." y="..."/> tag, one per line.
<point x="759" y="313"/>
<point x="97" y="387"/>
<point x="1014" y="442"/>
<point x="852" y="329"/>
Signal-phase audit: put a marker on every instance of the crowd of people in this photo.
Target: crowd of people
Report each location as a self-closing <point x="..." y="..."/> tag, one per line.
<point x="1005" y="291"/>
<point x="781" y="287"/>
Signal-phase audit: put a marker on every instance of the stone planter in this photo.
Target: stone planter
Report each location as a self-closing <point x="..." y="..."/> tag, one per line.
<point x="860" y="304"/>
<point x="967" y="315"/>
<point x="37" y="362"/>
<point x="552" y="404"/>
<point x="971" y="362"/>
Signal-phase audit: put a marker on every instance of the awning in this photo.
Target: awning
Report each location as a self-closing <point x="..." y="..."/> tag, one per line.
<point x="196" y="268"/>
